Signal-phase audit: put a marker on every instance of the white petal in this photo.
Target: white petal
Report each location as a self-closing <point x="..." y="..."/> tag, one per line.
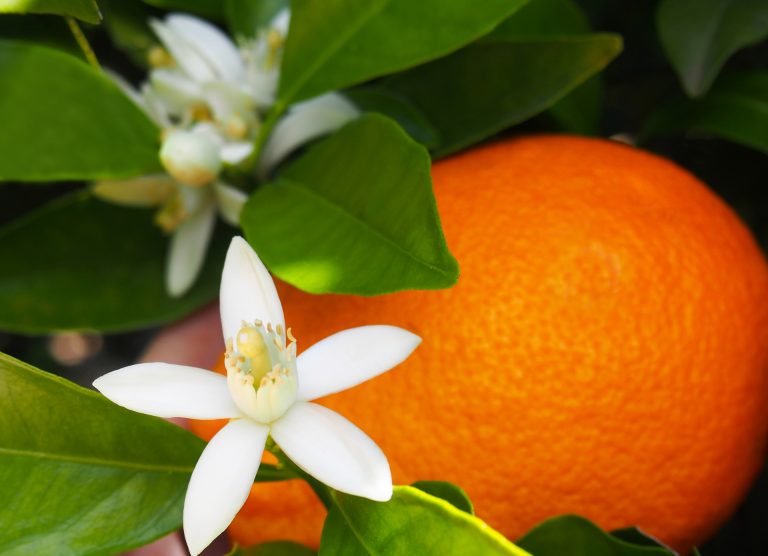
<point x="230" y="202"/>
<point x="126" y="87"/>
<point x="334" y="451"/>
<point x="236" y="152"/>
<point x="211" y="44"/>
<point x="227" y="101"/>
<point x="281" y="21"/>
<point x="347" y="358"/>
<point x="247" y="290"/>
<point x="176" y="90"/>
<point x="189" y="244"/>
<point x="146" y="191"/>
<point x="221" y="481"/>
<point x="304" y="122"/>
<point x="166" y="390"/>
<point x="184" y="53"/>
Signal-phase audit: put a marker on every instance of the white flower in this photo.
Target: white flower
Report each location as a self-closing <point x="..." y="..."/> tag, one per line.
<point x="267" y="392"/>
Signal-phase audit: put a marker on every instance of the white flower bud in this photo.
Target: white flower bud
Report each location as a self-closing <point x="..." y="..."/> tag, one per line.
<point x="191" y="158"/>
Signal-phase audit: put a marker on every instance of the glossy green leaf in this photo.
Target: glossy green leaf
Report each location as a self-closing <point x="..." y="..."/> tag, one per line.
<point x="487" y="87"/>
<point x="87" y="10"/>
<point x="448" y="492"/>
<point x="355" y="214"/>
<point x="62" y="119"/>
<point x="79" y="263"/>
<point x="412" y="522"/>
<point x="576" y="536"/>
<point x="276" y="548"/>
<point x="700" y="35"/>
<point x="246" y="17"/>
<point x="735" y="109"/>
<point x="392" y="105"/>
<point x="580" y="110"/>
<point x="80" y="475"/>
<point x="337" y="43"/>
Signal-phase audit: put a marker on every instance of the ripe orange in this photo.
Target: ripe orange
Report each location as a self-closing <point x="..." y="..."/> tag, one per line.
<point x="604" y="353"/>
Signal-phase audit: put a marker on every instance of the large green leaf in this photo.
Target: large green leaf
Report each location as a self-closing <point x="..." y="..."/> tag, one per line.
<point x="79" y="263"/>
<point x="576" y="536"/>
<point x="80" y="475"/>
<point x="412" y="522"/>
<point x="448" y="492"/>
<point x="700" y="35"/>
<point x="579" y="111"/>
<point x="496" y="83"/>
<point x="62" y="119"/>
<point x="736" y="109"/>
<point x="337" y="43"/>
<point x="355" y="214"/>
<point x="87" y="10"/>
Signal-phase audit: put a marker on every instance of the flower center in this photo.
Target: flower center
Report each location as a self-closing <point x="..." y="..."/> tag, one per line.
<point x="261" y="371"/>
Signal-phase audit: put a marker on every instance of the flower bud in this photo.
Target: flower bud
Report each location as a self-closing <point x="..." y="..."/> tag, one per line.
<point x="191" y="158"/>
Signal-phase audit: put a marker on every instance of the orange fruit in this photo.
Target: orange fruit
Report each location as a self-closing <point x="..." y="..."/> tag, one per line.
<point x="604" y="353"/>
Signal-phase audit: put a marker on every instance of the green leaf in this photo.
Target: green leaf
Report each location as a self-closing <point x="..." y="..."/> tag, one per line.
<point x="276" y="548"/>
<point x="448" y="492"/>
<point x="700" y="35"/>
<point x="489" y="86"/>
<point x="576" y="536"/>
<point x="580" y="110"/>
<point x="634" y="535"/>
<point x="87" y="10"/>
<point x="735" y="109"/>
<point x="337" y="43"/>
<point x="412" y="522"/>
<point x="61" y="120"/>
<point x="128" y="26"/>
<point x="79" y="263"/>
<point x="213" y="9"/>
<point x="80" y="475"/>
<point x="246" y="17"/>
<point x="355" y="214"/>
<point x="390" y="104"/>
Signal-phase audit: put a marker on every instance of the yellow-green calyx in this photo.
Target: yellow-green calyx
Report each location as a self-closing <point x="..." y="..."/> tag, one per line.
<point x="261" y="371"/>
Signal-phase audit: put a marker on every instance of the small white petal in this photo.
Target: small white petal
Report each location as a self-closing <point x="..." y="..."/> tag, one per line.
<point x="185" y="53"/>
<point x="146" y="191"/>
<point x="221" y="481"/>
<point x="166" y="390"/>
<point x="230" y="202"/>
<point x="156" y="107"/>
<point x="304" y="122"/>
<point x="281" y="21"/>
<point x="334" y="451"/>
<point x="349" y="357"/>
<point x="176" y="90"/>
<point x="211" y="44"/>
<point x="247" y="290"/>
<point x="228" y="102"/>
<point x="189" y="243"/>
<point x="236" y="152"/>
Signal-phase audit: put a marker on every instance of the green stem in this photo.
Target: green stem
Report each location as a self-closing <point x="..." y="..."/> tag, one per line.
<point x="261" y="138"/>
<point x="321" y="491"/>
<point x="83" y="43"/>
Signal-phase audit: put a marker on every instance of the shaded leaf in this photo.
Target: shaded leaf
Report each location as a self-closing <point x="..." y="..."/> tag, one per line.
<point x="576" y="536"/>
<point x="698" y="36"/>
<point x="45" y="30"/>
<point x="79" y="263"/>
<point x="355" y="214"/>
<point x="735" y="109"/>
<point x="337" y="43"/>
<point x="491" y="85"/>
<point x="61" y="119"/>
<point x="634" y="535"/>
<point x="128" y="26"/>
<point x="213" y="9"/>
<point x="412" y="522"/>
<point x="80" y="475"/>
<point x="448" y="492"/>
<point x="390" y="104"/>
<point x="87" y="10"/>
<point x="246" y="17"/>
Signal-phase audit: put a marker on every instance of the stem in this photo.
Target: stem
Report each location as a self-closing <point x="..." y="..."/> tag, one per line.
<point x="322" y="492"/>
<point x="82" y="42"/>
<point x="261" y="138"/>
